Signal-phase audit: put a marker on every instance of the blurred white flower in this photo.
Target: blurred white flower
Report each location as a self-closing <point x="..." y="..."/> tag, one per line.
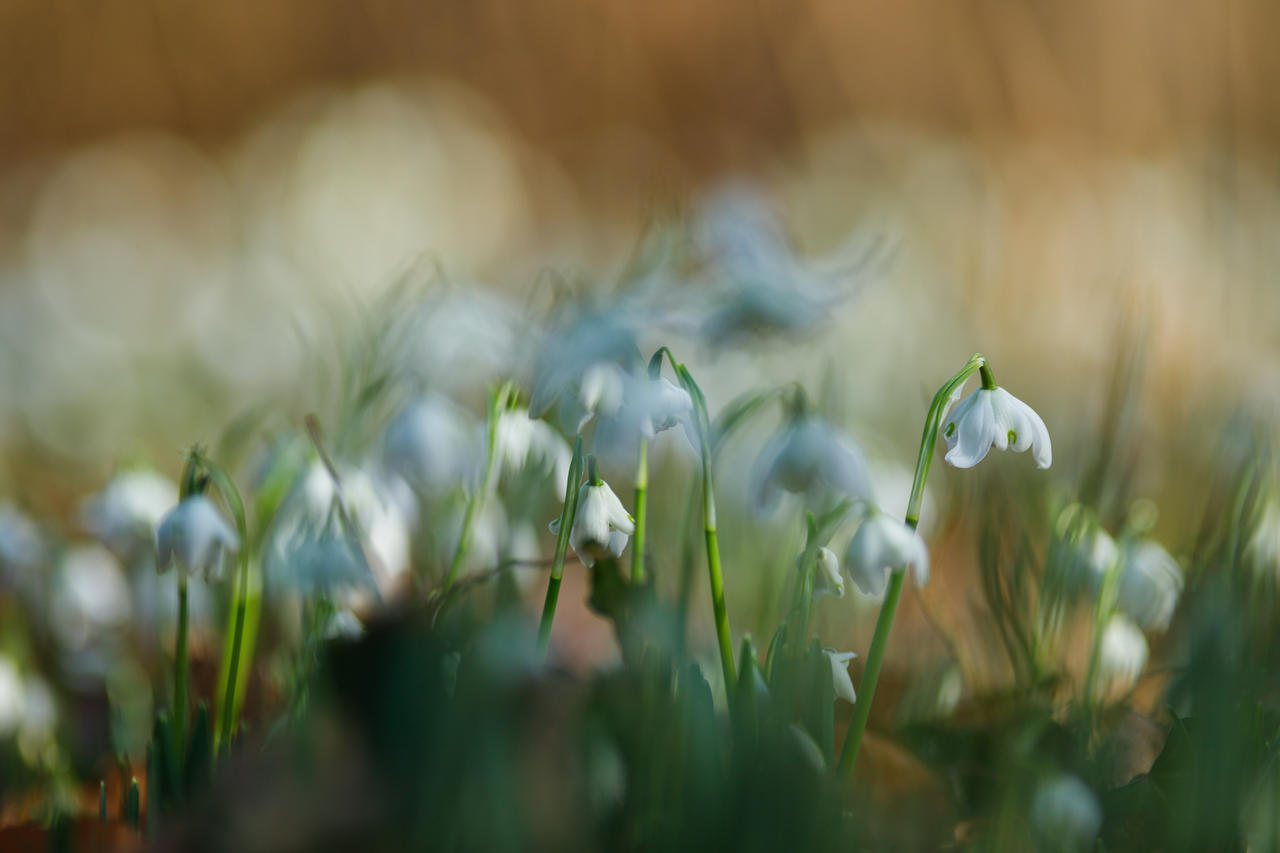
<point x="840" y="678"/>
<point x="1150" y="584"/>
<point x="309" y="547"/>
<point x="1263" y="549"/>
<point x="647" y="407"/>
<point x="809" y="456"/>
<point x="759" y="285"/>
<point x="602" y="525"/>
<point x="91" y="596"/>
<point x="488" y="533"/>
<point x="828" y="580"/>
<point x="12" y="697"/>
<point x="581" y="364"/>
<point x="21" y="545"/>
<point x="524" y="443"/>
<point x="1123" y="654"/>
<point x="881" y="545"/>
<point x="1065" y="813"/>
<point x="429" y="444"/>
<point x="994" y="418"/>
<point x="124" y="515"/>
<point x="194" y="536"/>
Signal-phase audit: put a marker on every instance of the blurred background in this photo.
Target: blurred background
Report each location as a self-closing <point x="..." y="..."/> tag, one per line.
<point x="191" y="196"/>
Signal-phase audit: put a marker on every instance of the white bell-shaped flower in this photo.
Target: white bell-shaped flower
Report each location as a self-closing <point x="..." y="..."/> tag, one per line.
<point x="840" y="678"/>
<point x="994" y="418"/>
<point x="1123" y="653"/>
<point x="429" y="445"/>
<point x="828" y="580"/>
<point x="1150" y="585"/>
<point x="193" y="536"/>
<point x="649" y="406"/>
<point x="881" y="545"/>
<point x="809" y="456"/>
<point x="602" y="525"/>
<point x="1065" y="814"/>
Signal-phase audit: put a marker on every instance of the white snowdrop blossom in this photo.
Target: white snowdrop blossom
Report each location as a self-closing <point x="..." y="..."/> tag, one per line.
<point x="91" y="596"/>
<point x="881" y="545"/>
<point x="648" y="407"/>
<point x="809" y="456"/>
<point x="522" y="442"/>
<point x="123" y="516"/>
<point x="193" y="536"/>
<point x="1065" y="813"/>
<point x="840" y="678"/>
<point x="1150" y="585"/>
<point x="828" y="580"/>
<point x="429" y="445"/>
<point x="602" y="525"/>
<point x="1123" y="654"/>
<point x="994" y="418"/>
<point x="21" y="545"/>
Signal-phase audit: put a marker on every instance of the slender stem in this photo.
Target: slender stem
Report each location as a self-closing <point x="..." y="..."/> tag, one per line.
<point x="567" y="515"/>
<point x="880" y="640"/>
<point x="714" y="574"/>
<point x="1106" y="607"/>
<point x="180" y="669"/>
<point x="233" y="667"/>
<point x="642" y="490"/>
<point x="497" y="402"/>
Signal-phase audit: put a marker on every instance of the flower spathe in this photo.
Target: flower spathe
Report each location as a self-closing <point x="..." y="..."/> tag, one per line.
<point x="840" y="678"/>
<point x="881" y="545"/>
<point x="602" y="525"/>
<point x="828" y="580"/>
<point x="193" y="536"/>
<point x="992" y="417"/>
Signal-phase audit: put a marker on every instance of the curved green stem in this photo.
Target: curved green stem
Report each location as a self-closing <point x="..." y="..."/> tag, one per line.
<point x="567" y="515"/>
<point x="884" y="624"/>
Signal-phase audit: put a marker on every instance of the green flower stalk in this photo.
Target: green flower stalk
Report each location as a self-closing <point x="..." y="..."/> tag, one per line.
<point x="879" y="642"/>
<point x="497" y="403"/>
<point x="564" y="527"/>
<point x="641" y="512"/>
<point x="715" y="576"/>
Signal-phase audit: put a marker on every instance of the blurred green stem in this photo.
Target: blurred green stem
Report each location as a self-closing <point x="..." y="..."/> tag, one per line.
<point x="497" y="403"/>
<point x="880" y="640"/>
<point x="567" y="515"/>
<point x="642" y="490"/>
<point x="180" y="669"/>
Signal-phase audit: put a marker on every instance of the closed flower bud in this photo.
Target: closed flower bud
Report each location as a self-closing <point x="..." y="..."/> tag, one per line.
<point x="840" y="678"/>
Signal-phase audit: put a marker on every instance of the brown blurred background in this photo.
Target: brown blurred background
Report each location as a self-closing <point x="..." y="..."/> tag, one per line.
<point x="179" y="182"/>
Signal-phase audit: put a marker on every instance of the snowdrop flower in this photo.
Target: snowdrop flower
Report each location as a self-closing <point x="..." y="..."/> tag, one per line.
<point x="881" y="545"/>
<point x="840" y="678"/>
<point x="602" y="525"/>
<point x="809" y="456"/>
<point x="124" y="515"/>
<point x="193" y="536"/>
<point x="648" y="407"/>
<point x="581" y="363"/>
<point x="91" y="596"/>
<point x="1263" y="549"/>
<point x="1065" y="813"/>
<point x="828" y="580"/>
<point x="1150" y="584"/>
<point x="523" y="442"/>
<point x="992" y="417"/>
<point x="760" y="285"/>
<point x="1123" y="654"/>
<point x="429" y="445"/>
<point x="21" y="545"/>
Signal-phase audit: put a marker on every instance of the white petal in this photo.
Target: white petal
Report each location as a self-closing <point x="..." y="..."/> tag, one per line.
<point x="973" y="433"/>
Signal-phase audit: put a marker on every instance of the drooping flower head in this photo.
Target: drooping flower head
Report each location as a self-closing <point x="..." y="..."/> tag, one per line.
<point x="882" y="545"/>
<point x="523" y="443"/>
<point x="193" y="536"/>
<point x="602" y="525"/>
<point x="123" y="516"/>
<point x="1123" y="653"/>
<point x="1150" y="584"/>
<point x="809" y="456"/>
<point x="429" y="445"/>
<point x="992" y="417"/>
